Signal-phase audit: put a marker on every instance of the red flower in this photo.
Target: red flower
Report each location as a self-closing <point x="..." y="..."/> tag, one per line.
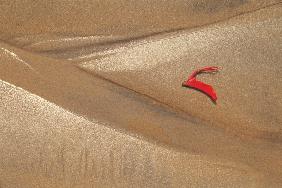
<point x="192" y="82"/>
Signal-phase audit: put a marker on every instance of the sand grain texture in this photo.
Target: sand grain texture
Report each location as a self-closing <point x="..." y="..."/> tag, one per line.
<point x="91" y="96"/>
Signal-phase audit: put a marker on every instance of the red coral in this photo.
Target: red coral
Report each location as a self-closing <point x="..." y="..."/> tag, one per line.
<point x="192" y="82"/>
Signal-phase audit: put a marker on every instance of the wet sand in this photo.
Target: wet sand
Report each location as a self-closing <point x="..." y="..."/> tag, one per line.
<point x="91" y="103"/>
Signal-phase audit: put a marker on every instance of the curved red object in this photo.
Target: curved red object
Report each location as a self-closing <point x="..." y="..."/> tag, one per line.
<point x="192" y="82"/>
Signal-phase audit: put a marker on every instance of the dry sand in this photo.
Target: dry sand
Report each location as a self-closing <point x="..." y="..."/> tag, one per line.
<point x="91" y="96"/>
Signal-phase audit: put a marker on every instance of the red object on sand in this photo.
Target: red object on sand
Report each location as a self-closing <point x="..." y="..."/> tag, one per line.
<point x="192" y="82"/>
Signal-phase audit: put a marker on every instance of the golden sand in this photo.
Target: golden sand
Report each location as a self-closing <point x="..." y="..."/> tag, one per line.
<point x="91" y="96"/>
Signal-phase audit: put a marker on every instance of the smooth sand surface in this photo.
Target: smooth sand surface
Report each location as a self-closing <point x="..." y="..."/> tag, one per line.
<point x="91" y="96"/>
<point x="247" y="48"/>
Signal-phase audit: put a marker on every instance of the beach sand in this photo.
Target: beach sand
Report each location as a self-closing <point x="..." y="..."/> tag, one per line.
<point x="91" y="95"/>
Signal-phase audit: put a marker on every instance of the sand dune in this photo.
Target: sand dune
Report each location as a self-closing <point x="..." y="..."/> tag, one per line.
<point x="249" y="54"/>
<point x="91" y="96"/>
<point x="157" y="65"/>
<point x="83" y="131"/>
<point x="124" y="18"/>
<point x="58" y="148"/>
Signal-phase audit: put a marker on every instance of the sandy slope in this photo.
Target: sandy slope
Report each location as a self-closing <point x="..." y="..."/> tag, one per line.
<point x="84" y="132"/>
<point x="133" y="125"/>
<point x="46" y="145"/>
<point x="248" y="48"/>
<point x="124" y="18"/>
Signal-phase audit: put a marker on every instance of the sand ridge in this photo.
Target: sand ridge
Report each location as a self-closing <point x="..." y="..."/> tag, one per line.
<point x="91" y="98"/>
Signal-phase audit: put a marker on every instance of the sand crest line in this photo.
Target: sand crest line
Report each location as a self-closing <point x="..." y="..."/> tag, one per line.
<point x="15" y="56"/>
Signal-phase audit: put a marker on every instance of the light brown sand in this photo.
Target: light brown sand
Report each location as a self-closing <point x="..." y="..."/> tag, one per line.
<point x="90" y="97"/>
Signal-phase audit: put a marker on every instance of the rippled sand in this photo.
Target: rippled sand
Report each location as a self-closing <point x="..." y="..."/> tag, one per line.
<point x="91" y="96"/>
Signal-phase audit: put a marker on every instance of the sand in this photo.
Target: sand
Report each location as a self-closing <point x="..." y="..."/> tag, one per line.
<point x="91" y="96"/>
